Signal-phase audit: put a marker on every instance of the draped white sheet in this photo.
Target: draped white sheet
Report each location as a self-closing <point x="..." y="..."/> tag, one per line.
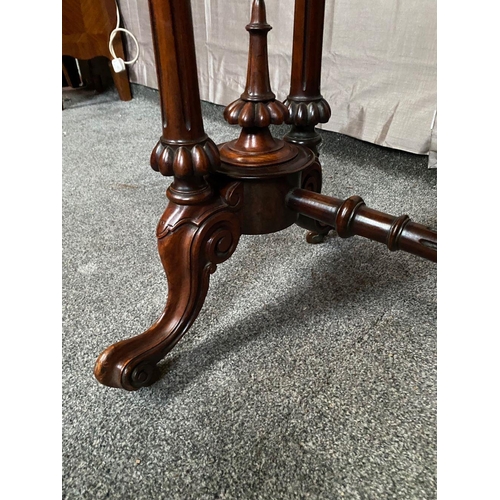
<point x="379" y="62"/>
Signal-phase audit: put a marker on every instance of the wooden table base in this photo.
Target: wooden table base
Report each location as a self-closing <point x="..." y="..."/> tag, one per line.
<point x="255" y="184"/>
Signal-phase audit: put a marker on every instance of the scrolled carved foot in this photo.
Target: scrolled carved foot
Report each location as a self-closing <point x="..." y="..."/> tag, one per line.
<point x="192" y="241"/>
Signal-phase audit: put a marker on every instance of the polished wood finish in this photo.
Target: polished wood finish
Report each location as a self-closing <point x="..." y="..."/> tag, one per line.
<point x="192" y="241"/>
<point x="184" y="149"/>
<point x="201" y="225"/>
<point x="312" y="180"/>
<point x="256" y="153"/>
<point x="352" y="217"/>
<point x="270" y="166"/>
<point x="255" y="184"/>
<point x="86" y="26"/>
<point x="305" y="103"/>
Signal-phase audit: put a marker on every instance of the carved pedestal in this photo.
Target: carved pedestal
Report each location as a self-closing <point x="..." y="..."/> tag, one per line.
<point x="255" y="184"/>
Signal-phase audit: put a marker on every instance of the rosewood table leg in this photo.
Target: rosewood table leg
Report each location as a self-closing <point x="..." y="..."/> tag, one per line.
<point x="305" y="103"/>
<point x="192" y="240"/>
<point x="201" y="225"/>
<point x="255" y="184"/>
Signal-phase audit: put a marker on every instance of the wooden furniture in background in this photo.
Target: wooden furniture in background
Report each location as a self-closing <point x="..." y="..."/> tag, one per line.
<point x="255" y="184"/>
<point x="86" y="26"/>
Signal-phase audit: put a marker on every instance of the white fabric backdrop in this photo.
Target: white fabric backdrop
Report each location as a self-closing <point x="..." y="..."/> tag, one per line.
<point x="379" y="61"/>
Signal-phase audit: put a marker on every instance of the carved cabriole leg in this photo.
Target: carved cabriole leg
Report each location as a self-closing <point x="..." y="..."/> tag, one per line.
<point x="306" y="106"/>
<point x="192" y="240"/>
<point x="201" y="225"/>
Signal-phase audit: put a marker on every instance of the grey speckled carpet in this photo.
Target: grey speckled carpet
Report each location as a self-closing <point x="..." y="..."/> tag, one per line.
<point x="311" y="370"/>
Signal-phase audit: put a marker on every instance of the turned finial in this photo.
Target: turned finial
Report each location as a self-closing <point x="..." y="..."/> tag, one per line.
<point x="257" y="106"/>
<point x="258" y="86"/>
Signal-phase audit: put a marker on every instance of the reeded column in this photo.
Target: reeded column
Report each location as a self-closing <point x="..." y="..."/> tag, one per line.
<point x="184" y="150"/>
<point x="305" y="103"/>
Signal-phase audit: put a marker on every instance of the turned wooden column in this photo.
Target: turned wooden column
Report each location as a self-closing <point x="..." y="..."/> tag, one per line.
<point x="256" y="109"/>
<point x="305" y="103"/>
<point x="306" y="106"/>
<point x="352" y="217"/>
<point x="184" y="149"/>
